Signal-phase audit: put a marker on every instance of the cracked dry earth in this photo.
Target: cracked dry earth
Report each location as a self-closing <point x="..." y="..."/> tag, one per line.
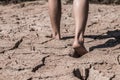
<point x="27" y="54"/>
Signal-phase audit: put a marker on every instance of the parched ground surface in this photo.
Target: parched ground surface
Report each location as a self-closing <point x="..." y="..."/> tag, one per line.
<point x="27" y="54"/>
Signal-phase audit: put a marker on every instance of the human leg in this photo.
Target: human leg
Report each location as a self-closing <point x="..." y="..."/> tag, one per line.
<point x="81" y="14"/>
<point x="55" y="17"/>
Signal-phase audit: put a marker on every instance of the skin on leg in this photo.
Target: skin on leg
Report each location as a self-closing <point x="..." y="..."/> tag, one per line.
<point x="55" y="17"/>
<point x="81" y="14"/>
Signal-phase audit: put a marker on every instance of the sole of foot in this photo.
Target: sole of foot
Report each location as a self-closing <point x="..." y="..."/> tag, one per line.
<point x="80" y="49"/>
<point x="74" y="54"/>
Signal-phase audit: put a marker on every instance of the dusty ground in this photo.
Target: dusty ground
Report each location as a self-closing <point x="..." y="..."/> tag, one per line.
<point x="27" y="54"/>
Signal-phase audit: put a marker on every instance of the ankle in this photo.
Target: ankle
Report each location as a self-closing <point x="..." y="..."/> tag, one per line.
<point x="81" y="41"/>
<point x="78" y="43"/>
<point x="57" y="36"/>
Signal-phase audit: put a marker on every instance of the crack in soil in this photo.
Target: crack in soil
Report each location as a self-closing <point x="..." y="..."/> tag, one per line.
<point x="40" y="65"/>
<point x="19" y="69"/>
<point x="77" y="73"/>
<point x="112" y="77"/>
<point x="46" y="41"/>
<point x="118" y="59"/>
<point x="1" y="68"/>
<point x="15" y="46"/>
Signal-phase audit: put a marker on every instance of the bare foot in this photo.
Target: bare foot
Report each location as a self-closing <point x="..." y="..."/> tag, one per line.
<point x="54" y="36"/>
<point x="80" y="48"/>
<point x="74" y="54"/>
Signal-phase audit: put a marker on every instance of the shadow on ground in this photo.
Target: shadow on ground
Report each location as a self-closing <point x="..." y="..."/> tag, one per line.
<point x="112" y="42"/>
<point x="67" y="37"/>
<point x="5" y="2"/>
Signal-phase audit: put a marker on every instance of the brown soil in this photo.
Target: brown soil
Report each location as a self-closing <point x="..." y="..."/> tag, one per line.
<point x="27" y="54"/>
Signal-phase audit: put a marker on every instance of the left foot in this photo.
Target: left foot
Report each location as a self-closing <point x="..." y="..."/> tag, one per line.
<point x="54" y="36"/>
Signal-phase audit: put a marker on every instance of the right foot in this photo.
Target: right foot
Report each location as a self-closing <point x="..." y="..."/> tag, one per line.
<point x="80" y="48"/>
<point x="74" y="54"/>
